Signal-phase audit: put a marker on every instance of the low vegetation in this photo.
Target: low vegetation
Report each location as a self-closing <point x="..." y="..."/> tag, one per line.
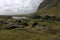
<point x="36" y="28"/>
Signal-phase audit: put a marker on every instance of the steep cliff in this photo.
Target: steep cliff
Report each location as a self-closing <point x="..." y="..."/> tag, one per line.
<point x="49" y="4"/>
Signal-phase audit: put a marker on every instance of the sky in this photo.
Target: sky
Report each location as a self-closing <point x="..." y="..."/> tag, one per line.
<point x="13" y="7"/>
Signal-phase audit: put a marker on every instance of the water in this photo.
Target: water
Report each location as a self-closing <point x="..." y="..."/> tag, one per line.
<point x="13" y="7"/>
<point x="20" y="18"/>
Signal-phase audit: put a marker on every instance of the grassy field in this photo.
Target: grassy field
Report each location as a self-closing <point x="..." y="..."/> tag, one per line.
<point x="30" y="34"/>
<point x="23" y="34"/>
<point x="50" y="32"/>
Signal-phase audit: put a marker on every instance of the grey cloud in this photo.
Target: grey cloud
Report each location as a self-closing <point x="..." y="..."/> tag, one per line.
<point x="11" y="7"/>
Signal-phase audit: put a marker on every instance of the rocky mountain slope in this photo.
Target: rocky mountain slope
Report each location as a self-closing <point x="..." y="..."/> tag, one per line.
<point x="49" y="3"/>
<point x="49" y="7"/>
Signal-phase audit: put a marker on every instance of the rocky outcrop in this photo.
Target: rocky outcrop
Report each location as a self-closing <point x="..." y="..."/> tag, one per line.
<point x="49" y="3"/>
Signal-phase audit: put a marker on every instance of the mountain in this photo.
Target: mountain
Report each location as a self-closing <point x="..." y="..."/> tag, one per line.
<point x="49" y="4"/>
<point x="49" y="7"/>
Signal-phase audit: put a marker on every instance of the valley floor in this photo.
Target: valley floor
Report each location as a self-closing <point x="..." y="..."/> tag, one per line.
<point x="45" y="31"/>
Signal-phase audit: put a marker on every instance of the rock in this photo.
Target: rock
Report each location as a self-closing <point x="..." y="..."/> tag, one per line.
<point x="12" y="27"/>
<point x="18" y="21"/>
<point x="35" y="25"/>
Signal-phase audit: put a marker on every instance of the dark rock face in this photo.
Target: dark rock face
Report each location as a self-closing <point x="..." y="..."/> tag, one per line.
<point x="44" y="3"/>
<point x="49" y="3"/>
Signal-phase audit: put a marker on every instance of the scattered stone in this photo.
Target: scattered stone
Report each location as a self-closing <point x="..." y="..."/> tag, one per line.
<point x="12" y="27"/>
<point x="35" y="25"/>
<point x="18" y="21"/>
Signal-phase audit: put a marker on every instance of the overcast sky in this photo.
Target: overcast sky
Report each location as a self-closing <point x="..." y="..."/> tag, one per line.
<point x="12" y="7"/>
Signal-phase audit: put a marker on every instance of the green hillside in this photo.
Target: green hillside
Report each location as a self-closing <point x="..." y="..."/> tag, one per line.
<point x="52" y="11"/>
